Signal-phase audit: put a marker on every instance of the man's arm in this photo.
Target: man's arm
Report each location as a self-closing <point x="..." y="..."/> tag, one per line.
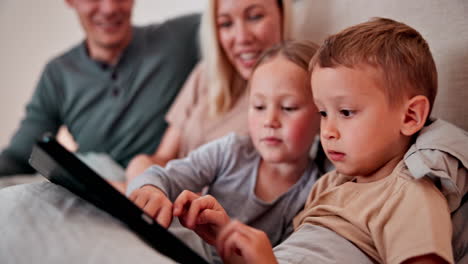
<point x="10" y="166"/>
<point x="42" y="115"/>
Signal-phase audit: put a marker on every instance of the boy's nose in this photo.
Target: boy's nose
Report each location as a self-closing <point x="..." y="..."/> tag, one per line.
<point x="329" y="131"/>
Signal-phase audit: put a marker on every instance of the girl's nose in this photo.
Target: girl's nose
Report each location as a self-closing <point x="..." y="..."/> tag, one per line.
<point x="271" y="119"/>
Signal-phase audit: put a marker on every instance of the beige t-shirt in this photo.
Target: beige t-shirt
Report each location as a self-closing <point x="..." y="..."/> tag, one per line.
<point x="391" y="220"/>
<point x="190" y="113"/>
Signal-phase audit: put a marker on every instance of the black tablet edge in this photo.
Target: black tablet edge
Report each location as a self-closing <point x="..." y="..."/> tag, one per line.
<point x="112" y="201"/>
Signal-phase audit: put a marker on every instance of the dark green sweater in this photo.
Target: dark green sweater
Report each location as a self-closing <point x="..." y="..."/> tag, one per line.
<point x="117" y="110"/>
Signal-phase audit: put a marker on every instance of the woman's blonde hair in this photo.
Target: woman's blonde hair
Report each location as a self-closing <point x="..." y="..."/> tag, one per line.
<point x="226" y="85"/>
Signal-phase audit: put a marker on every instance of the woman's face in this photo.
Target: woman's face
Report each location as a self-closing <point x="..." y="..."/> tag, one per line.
<point x="246" y="28"/>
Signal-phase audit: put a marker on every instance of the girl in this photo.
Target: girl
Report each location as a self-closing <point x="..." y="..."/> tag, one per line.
<point x="262" y="180"/>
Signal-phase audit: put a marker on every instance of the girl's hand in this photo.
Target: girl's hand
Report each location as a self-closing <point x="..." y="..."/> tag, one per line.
<point x="202" y="214"/>
<point x="251" y="244"/>
<point x="155" y="203"/>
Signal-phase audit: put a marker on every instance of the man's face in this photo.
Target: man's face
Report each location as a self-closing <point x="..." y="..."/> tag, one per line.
<point x="107" y="23"/>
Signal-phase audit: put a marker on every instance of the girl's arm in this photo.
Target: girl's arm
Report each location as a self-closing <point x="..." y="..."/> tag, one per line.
<point x="167" y="150"/>
<point x="202" y="214"/>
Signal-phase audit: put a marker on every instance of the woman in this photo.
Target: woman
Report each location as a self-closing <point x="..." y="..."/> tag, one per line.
<point x="213" y="101"/>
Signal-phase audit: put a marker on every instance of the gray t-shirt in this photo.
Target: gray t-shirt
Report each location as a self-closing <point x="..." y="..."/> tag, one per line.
<point x="229" y="167"/>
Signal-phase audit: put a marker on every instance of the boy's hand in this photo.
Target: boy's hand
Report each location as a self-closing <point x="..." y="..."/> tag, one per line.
<point x="155" y="203"/>
<point x="202" y="214"/>
<point x="251" y="244"/>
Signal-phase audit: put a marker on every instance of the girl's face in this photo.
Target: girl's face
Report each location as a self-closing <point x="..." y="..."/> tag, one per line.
<point x="245" y="29"/>
<point x="283" y="119"/>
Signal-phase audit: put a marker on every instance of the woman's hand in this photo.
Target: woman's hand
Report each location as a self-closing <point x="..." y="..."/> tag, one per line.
<point x="202" y="214"/>
<point x="251" y="244"/>
<point x="155" y="203"/>
<point x="167" y="150"/>
<point x="137" y="166"/>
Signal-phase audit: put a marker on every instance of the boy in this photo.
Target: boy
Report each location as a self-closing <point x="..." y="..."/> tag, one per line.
<point x="374" y="85"/>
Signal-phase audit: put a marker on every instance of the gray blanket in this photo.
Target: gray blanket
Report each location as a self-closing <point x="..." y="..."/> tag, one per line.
<point x="45" y="223"/>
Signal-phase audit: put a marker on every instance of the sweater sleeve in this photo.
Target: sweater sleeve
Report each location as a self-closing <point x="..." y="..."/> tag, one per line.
<point x="199" y="169"/>
<point x="186" y="100"/>
<point x="42" y="115"/>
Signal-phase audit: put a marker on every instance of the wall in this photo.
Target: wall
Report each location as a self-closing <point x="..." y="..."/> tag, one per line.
<point x="34" y="31"/>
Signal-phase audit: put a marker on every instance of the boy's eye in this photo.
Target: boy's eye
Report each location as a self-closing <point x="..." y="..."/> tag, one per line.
<point x="346" y="112"/>
<point x="289" y="108"/>
<point x="323" y="113"/>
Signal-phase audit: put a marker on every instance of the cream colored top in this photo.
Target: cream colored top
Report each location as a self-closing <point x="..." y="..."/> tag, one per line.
<point x="190" y="113"/>
<point x="391" y="220"/>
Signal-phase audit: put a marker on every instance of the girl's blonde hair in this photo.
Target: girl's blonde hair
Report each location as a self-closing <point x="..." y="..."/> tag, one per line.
<point x="226" y="85"/>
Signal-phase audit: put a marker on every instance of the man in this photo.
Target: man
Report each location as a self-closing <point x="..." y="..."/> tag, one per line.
<point x="113" y="89"/>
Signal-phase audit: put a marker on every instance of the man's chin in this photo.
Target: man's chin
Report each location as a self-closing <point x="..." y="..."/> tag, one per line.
<point x="111" y="42"/>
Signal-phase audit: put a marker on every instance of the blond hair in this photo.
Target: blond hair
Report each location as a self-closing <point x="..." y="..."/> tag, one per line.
<point x="295" y="51"/>
<point x="398" y="52"/>
<point x="221" y="76"/>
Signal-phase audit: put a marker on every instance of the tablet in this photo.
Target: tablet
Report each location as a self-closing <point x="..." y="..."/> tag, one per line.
<point x="62" y="167"/>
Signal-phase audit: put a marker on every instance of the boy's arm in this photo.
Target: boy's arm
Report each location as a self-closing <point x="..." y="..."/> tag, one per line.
<point x="426" y="259"/>
<point x="316" y="244"/>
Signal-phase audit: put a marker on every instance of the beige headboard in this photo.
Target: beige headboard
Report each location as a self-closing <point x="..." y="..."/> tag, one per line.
<point x="444" y="24"/>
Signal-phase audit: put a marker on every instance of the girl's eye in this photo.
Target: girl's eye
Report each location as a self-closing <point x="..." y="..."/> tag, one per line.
<point x="323" y="113"/>
<point x="258" y="107"/>
<point x="346" y="112"/>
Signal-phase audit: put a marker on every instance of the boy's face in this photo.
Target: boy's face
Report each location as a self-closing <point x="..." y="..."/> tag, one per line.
<point x="282" y="115"/>
<point x="360" y="132"/>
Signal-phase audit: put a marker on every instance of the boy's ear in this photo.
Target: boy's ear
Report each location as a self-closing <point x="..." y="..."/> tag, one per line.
<point x="416" y="113"/>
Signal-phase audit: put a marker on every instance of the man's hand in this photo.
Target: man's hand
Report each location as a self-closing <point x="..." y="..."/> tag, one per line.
<point x="251" y="244"/>
<point x="155" y="203"/>
<point x="202" y="214"/>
